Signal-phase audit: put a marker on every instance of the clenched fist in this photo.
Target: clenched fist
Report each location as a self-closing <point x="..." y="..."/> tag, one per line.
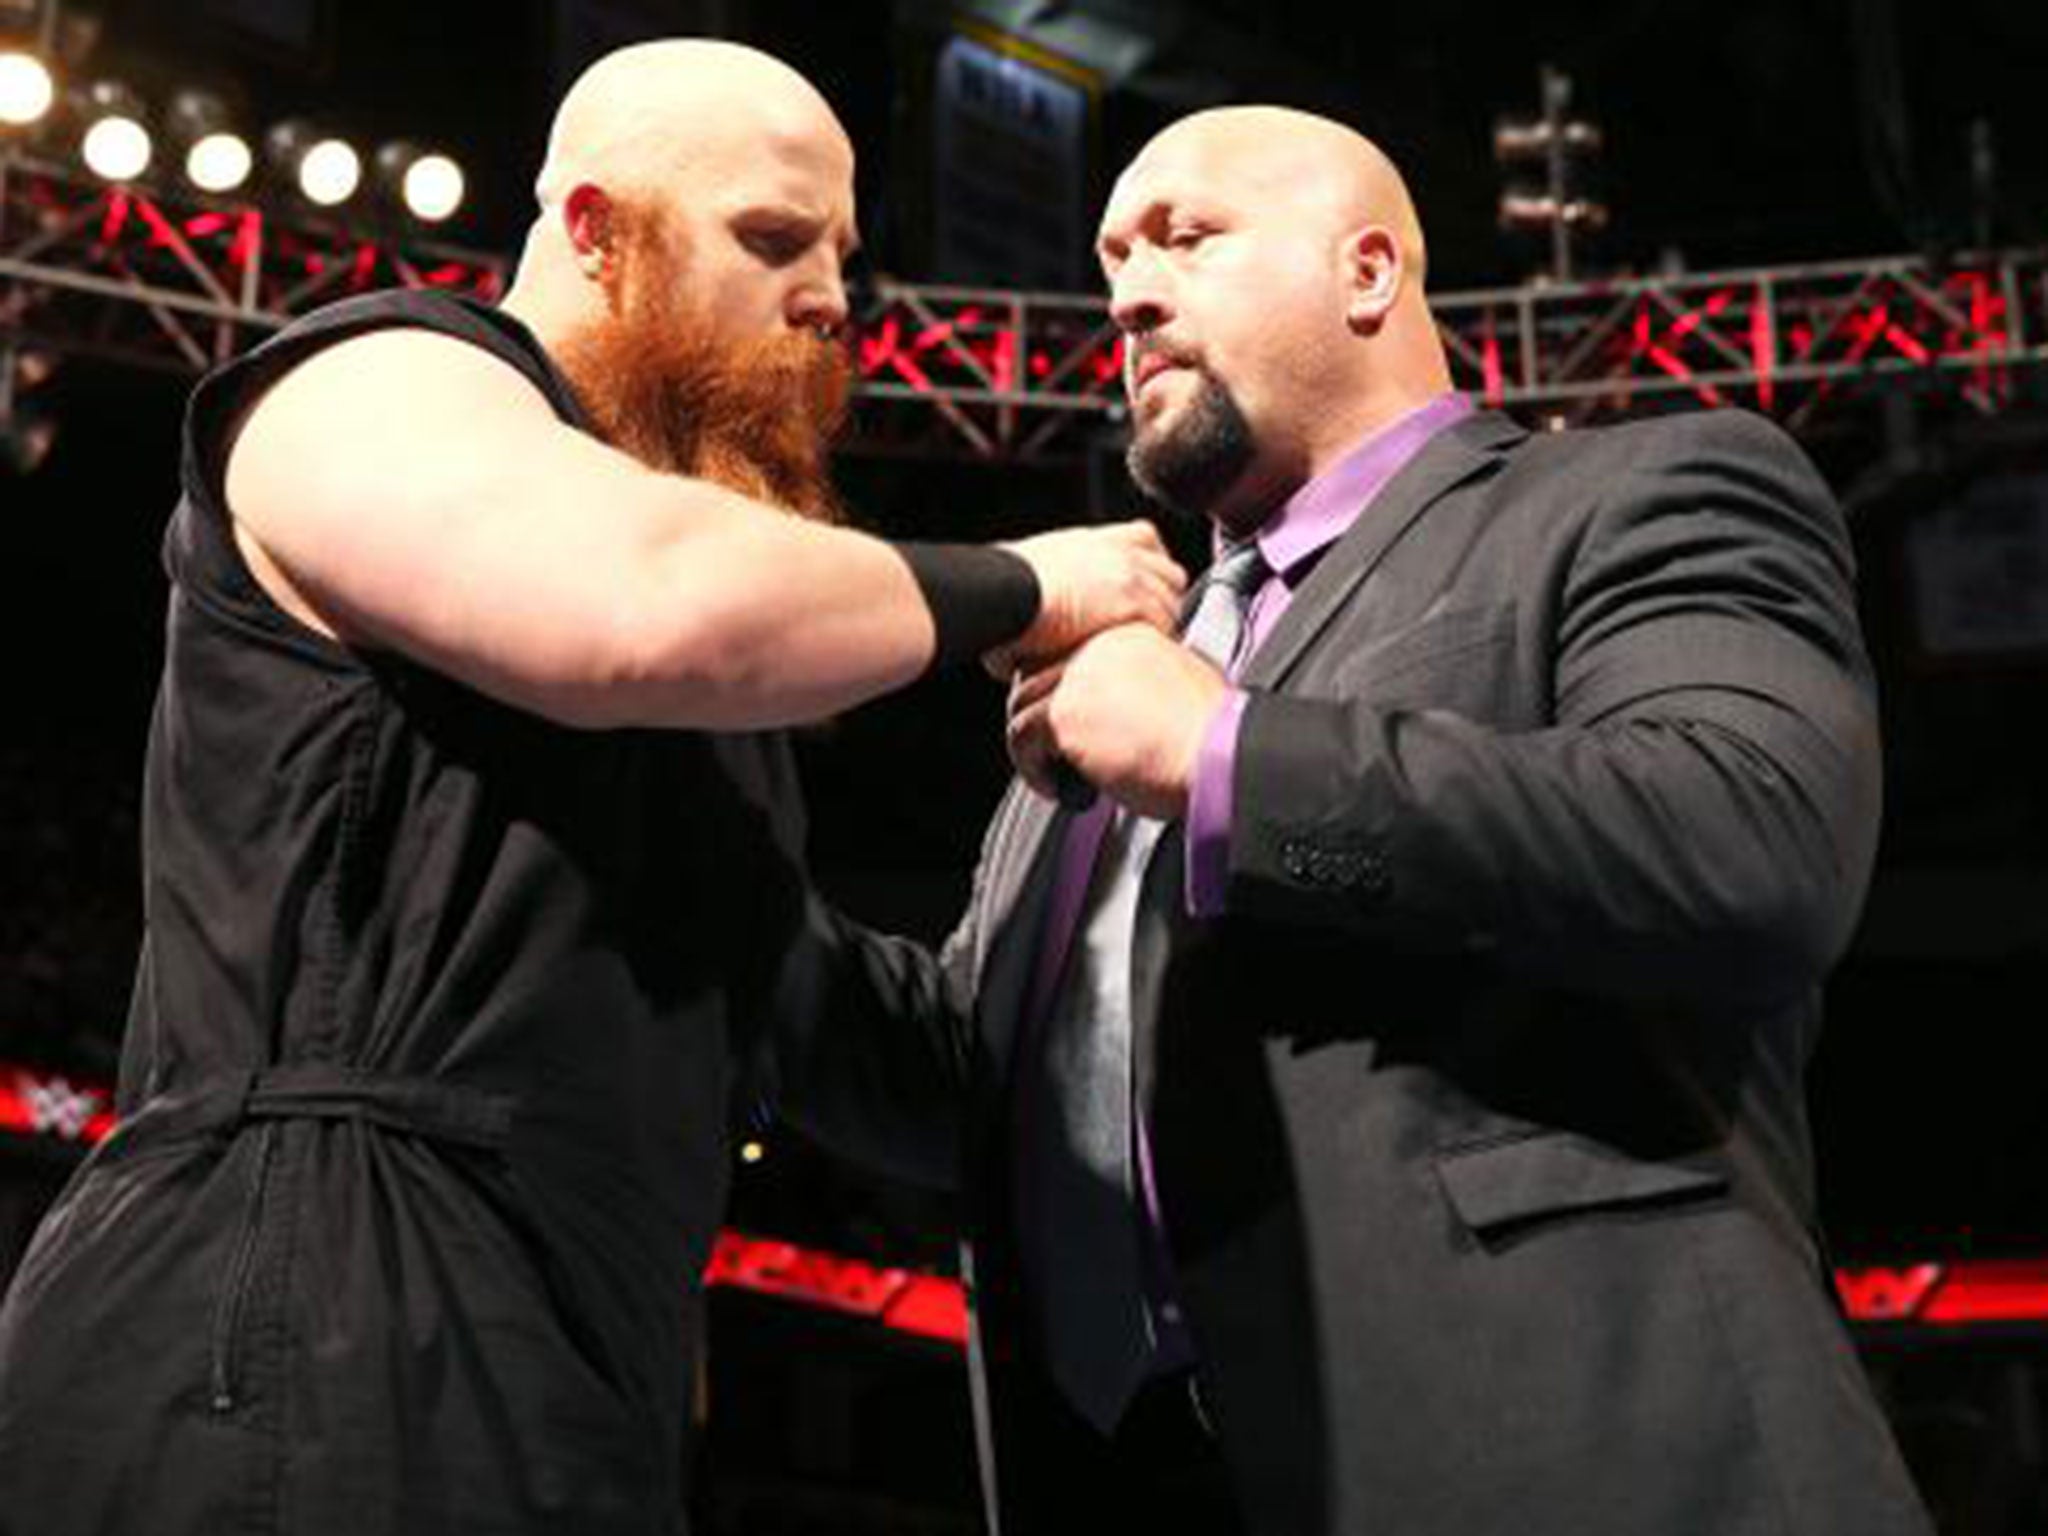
<point x="1126" y="711"/>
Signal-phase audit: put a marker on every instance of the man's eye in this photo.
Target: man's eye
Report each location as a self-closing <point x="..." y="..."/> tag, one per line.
<point x="1187" y="237"/>
<point x="775" y="244"/>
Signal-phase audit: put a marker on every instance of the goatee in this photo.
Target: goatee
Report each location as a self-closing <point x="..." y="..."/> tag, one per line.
<point x="1189" y="464"/>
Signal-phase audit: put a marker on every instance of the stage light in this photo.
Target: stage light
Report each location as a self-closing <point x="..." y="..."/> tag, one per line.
<point x="26" y="89"/>
<point x="1563" y="146"/>
<point x="434" y="188"/>
<point x="428" y="185"/>
<point x="116" y="144"/>
<point x="214" y="157"/>
<point x="325" y="170"/>
<point x="220" y="162"/>
<point x="330" y="172"/>
<point x="116" y="149"/>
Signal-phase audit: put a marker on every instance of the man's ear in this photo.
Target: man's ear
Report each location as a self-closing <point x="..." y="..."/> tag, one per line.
<point x="1375" y="269"/>
<point x="587" y="219"/>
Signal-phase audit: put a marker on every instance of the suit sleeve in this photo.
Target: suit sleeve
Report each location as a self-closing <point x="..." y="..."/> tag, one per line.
<point x="865" y="1050"/>
<point x="853" y="1036"/>
<point x="1697" y="819"/>
<point x="870" y="1041"/>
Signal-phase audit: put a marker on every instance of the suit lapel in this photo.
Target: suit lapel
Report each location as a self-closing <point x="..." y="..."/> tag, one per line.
<point x="1454" y="456"/>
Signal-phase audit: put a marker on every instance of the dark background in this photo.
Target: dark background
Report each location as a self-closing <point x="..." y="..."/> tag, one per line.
<point x="1738" y="133"/>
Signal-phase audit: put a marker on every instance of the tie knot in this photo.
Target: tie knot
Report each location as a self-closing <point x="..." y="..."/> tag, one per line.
<point x="1216" y="626"/>
<point x="1240" y="568"/>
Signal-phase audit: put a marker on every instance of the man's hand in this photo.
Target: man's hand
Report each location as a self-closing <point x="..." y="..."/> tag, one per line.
<point x="1126" y="711"/>
<point x="1090" y="579"/>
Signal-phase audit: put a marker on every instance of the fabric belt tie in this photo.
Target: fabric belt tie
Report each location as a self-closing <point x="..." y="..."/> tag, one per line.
<point x="228" y="1102"/>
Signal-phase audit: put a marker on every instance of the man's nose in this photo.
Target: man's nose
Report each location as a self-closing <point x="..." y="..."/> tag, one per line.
<point x="1137" y="295"/>
<point x="821" y="304"/>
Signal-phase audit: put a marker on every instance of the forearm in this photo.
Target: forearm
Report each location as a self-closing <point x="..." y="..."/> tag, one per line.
<point x="1714" y="843"/>
<point x="680" y="604"/>
<point x="764" y="621"/>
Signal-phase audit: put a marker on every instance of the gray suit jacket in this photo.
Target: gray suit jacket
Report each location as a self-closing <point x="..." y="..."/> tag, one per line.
<point x="1478" y="1120"/>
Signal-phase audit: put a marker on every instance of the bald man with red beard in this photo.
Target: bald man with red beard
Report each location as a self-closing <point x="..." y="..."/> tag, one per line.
<point x="470" y="853"/>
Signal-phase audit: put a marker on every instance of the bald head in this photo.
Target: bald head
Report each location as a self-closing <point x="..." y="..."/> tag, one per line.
<point x="1266" y="266"/>
<point x="663" y="118"/>
<point x="690" y="185"/>
<point x="1323" y="169"/>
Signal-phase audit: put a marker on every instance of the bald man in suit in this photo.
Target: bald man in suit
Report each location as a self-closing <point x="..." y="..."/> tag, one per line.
<point x="1386" y="1100"/>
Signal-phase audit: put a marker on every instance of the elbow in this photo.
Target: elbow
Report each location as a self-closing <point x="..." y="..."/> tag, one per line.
<point x="1777" y="891"/>
<point x="1777" y="935"/>
<point x="1774" y="954"/>
<point x="1786" y="922"/>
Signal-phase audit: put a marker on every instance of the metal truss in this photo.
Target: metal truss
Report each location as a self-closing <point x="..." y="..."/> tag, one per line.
<point x="993" y="373"/>
<point x="1790" y="341"/>
<point x="1021" y="375"/>
<point x="117" y="273"/>
<point x="1006" y="376"/>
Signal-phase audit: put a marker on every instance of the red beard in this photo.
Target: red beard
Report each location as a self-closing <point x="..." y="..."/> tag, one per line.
<point x="757" y="417"/>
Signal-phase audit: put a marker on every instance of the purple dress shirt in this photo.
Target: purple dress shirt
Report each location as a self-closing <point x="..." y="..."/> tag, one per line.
<point x="1309" y="522"/>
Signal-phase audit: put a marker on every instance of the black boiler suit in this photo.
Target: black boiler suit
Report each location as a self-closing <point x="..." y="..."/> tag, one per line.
<point x="439" y="1014"/>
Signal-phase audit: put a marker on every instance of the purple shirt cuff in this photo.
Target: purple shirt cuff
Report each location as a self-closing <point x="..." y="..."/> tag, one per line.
<point x="1209" y="806"/>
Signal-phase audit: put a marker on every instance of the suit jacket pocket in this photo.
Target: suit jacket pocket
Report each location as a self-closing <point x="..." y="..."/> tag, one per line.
<point x="1497" y="1185"/>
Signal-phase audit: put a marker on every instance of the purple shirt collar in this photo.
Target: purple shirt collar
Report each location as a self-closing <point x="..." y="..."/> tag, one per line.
<point x="1316" y="514"/>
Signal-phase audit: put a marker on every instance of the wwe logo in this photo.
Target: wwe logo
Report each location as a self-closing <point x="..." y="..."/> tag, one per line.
<point x="57" y="1106"/>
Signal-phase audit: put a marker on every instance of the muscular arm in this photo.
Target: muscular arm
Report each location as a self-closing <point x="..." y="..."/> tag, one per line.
<point x="406" y="491"/>
<point x="1699" y="820"/>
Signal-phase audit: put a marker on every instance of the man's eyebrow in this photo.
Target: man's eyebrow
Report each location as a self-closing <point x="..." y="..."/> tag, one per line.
<point x="1150" y="216"/>
<point x="773" y="211"/>
<point x="795" y="215"/>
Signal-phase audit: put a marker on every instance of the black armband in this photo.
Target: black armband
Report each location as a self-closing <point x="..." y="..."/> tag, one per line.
<point x="980" y="597"/>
